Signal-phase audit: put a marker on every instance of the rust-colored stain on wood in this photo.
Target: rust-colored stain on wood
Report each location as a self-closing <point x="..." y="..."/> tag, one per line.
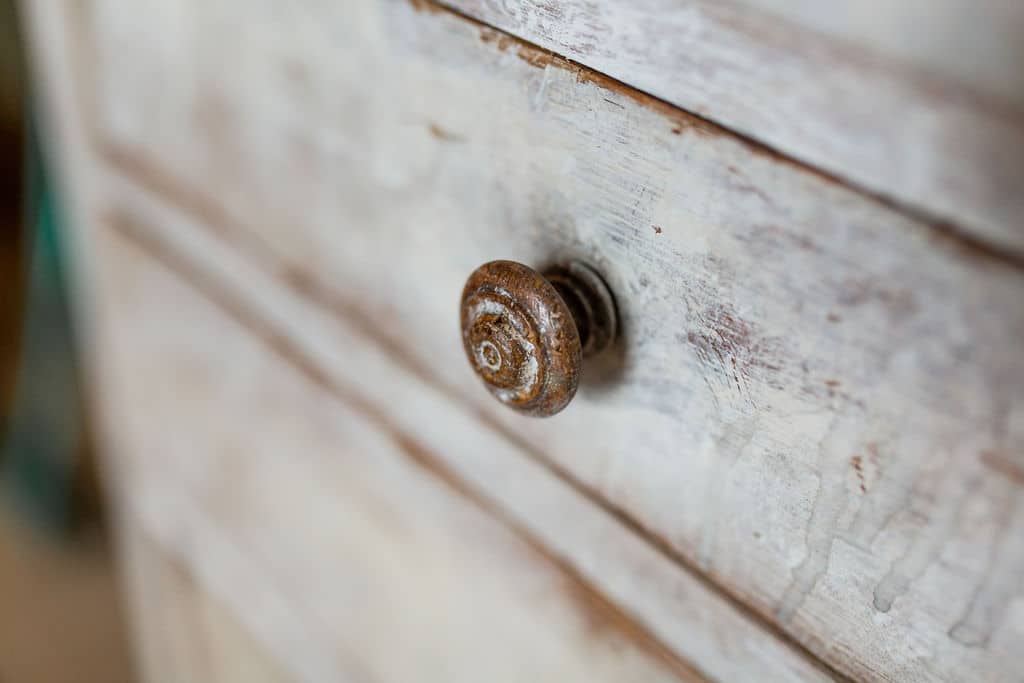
<point x="858" y="467"/>
<point x="725" y="341"/>
<point x="1001" y="462"/>
<point x="436" y="131"/>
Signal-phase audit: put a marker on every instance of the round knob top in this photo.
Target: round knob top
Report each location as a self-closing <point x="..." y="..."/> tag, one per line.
<point x="520" y="337"/>
<point x="525" y="333"/>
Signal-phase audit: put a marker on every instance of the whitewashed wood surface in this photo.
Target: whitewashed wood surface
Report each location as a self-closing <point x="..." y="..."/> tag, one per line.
<point x="819" y="400"/>
<point x="183" y="633"/>
<point x="920" y="101"/>
<point x="975" y="44"/>
<point x="330" y="534"/>
<point x="653" y="601"/>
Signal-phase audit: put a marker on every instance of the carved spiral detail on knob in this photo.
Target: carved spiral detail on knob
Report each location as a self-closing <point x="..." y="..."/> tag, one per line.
<point x="523" y="337"/>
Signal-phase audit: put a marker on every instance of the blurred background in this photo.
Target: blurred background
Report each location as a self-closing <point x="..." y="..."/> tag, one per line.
<point x="60" y="610"/>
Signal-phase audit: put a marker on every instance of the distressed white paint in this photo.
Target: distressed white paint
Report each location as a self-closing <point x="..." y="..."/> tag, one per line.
<point x="921" y="101"/>
<point x="348" y="560"/>
<point x="680" y="610"/>
<point x="279" y="491"/>
<point x="819" y="401"/>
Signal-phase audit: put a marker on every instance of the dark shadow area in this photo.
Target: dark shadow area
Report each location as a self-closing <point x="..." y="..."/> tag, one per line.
<point x="61" y="619"/>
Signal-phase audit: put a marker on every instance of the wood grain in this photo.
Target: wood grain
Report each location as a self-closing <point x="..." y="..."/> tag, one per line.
<point x="920" y="102"/>
<point x="811" y="389"/>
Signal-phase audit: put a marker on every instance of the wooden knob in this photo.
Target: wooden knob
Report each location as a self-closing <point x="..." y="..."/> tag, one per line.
<point x="526" y="333"/>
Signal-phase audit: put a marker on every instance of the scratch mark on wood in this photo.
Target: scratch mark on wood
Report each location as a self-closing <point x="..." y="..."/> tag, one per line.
<point x="442" y="134"/>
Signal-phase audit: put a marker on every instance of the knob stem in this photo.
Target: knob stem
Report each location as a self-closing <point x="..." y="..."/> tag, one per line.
<point x="589" y="300"/>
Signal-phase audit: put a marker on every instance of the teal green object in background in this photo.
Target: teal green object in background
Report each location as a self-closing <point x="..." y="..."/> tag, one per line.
<point x="43" y="440"/>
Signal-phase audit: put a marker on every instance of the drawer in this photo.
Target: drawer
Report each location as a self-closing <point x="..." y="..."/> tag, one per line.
<point x="812" y="417"/>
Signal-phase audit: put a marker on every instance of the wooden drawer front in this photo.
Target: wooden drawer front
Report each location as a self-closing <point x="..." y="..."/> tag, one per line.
<point x="817" y="400"/>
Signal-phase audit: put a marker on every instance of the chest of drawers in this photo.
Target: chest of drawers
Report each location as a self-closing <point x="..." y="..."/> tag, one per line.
<point x="803" y="457"/>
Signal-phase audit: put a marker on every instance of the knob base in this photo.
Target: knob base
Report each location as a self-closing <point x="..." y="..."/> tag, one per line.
<point x="589" y="300"/>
